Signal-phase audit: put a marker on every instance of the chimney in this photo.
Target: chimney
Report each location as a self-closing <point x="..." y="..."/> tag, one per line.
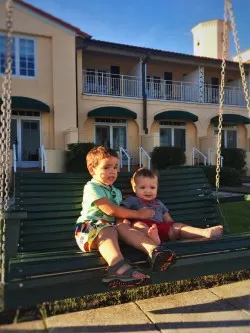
<point x="208" y="39"/>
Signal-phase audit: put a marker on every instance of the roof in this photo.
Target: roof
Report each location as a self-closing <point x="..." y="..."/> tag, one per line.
<point x="156" y="52"/>
<point x="53" y="18"/>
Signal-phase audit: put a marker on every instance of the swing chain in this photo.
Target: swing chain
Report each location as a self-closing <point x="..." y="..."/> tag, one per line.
<point x="5" y="119"/>
<point x="228" y="12"/>
<point x="222" y="85"/>
<point x="241" y="65"/>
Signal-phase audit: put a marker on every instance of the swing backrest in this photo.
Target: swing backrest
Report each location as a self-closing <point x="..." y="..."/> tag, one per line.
<point x="53" y="203"/>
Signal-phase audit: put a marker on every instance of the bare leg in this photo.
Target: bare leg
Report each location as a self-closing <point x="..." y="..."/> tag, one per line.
<point x="107" y="244"/>
<point x="159" y="259"/>
<point x="151" y="232"/>
<point x="183" y="231"/>
<point x="136" y="238"/>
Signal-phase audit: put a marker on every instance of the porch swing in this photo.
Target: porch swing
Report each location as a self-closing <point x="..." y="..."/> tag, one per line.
<point x="40" y="261"/>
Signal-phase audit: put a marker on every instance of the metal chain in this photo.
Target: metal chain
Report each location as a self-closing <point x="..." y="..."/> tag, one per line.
<point x="222" y="85"/>
<point x="5" y="119"/>
<point x="241" y="66"/>
<point x="228" y="12"/>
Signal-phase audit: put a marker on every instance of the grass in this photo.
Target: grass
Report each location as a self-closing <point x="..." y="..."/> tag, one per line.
<point x="237" y="216"/>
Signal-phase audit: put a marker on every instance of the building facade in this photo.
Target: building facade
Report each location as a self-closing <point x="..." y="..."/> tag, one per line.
<point x="68" y="87"/>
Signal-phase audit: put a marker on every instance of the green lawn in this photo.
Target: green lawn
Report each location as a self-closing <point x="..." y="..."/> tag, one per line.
<point x="237" y="216"/>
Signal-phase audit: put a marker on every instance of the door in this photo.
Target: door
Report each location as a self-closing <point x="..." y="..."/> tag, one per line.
<point x="115" y="79"/>
<point x="168" y="78"/>
<point x="25" y="134"/>
<point x="102" y="135"/>
<point x="119" y="138"/>
<point x="215" y="89"/>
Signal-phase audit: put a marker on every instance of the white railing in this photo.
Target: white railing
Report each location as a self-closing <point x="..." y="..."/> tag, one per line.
<point x="111" y="84"/>
<point x="14" y="153"/>
<point x="209" y="160"/>
<point x="173" y="90"/>
<point x="232" y="95"/>
<point x="199" y="154"/>
<point x="43" y="157"/>
<point x="123" y="153"/>
<point x="143" y="151"/>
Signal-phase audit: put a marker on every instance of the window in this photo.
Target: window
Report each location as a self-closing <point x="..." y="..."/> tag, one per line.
<point x="228" y="136"/>
<point x="173" y="134"/>
<point x="111" y="132"/>
<point x="23" y="56"/>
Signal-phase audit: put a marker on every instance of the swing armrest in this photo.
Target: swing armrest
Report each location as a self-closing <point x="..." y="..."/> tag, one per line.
<point x="12" y="227"/>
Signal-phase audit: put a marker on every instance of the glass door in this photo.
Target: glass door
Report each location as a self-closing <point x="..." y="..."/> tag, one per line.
<point x="13" y="136"/>
<point x="30" y="138"/>
<point x="119" y="137"/>
<point x="102" y="135"/>
<point x="25" y="134"/>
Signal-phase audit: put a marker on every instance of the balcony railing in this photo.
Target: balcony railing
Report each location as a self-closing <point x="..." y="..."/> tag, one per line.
<point x="173" y="90"/>
<point x="131" y="86"/>
<point x="112" y="85"/>
<point x="232" y="95"/>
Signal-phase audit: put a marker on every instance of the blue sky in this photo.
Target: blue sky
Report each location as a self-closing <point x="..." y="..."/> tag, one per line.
<point x="162" y="24"/>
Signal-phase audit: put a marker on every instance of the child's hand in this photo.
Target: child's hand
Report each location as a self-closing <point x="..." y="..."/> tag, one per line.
<point x="126" y="221"/>
<point x="146" y="213"/>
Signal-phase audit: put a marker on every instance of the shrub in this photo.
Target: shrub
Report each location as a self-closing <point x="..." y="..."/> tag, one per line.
<point x="77" y="156"/>
<point x="235" y="158"/>
<point x="228" y="176"/>
<point x="163" y="157"/>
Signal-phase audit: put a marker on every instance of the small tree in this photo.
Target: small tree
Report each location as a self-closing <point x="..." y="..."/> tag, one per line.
<point x="77" y="156"/>
<point x="163" y="157"/>
<point x="235" y="158"/>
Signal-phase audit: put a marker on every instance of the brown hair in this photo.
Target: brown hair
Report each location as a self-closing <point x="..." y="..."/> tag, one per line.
<point x="96" y="154"/>
<point x="142" y="172"/>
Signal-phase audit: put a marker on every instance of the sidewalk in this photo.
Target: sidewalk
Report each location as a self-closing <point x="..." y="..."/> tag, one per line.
<point x="223" y="309"/>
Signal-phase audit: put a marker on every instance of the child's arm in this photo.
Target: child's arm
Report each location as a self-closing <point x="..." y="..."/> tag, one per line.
<point x="167" y="218"/>
<point x="121" y="212"/>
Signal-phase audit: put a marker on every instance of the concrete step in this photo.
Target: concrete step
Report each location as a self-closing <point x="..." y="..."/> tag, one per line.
<point x="29" y="170"/>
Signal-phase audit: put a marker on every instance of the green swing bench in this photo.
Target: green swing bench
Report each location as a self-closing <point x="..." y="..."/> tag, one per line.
<point x="43" y="263"/>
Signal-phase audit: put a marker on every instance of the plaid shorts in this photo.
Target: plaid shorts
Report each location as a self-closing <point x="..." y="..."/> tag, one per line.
<point x="86" y="232"/>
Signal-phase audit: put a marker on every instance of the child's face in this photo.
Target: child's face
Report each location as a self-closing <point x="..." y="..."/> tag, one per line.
<point x="106" y="171"/>
<point x="146" y="188"/>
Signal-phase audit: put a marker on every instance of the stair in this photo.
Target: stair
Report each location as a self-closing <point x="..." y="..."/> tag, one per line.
<point x="29" y="170"/>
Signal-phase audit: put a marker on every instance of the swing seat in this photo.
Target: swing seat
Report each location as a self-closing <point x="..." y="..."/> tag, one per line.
<point x="43" y="262"/>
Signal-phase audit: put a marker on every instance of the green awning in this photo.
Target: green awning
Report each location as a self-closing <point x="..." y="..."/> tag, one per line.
<point x="112" y="111"/>
<point x="28" y="104"/>
<point x="180" y="115"/>
<point x="231" y="118"/>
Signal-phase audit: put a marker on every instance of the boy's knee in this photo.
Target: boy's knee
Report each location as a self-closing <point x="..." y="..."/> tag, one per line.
<point x="139" y="225"/>
<point x="108" y="232"/>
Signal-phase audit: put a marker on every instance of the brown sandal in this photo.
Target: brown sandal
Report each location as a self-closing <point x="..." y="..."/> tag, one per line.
<point x="113" y="280"/>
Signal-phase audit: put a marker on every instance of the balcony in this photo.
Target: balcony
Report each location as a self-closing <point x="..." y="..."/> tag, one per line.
<point x="107" y="84"/>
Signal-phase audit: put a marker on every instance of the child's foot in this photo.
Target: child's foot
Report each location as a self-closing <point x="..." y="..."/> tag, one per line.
<point x="213" y="232"/>
<point x="154" y="235"/>
<point x="161" y="259"/>
<point x="122" y="275"/>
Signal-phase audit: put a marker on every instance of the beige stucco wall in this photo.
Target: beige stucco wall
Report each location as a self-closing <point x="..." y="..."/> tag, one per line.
<point x="199" y="134"/>
<point x="208" y="39"/>
<point x="55" y="160"/>
<point x="105" y="61"/>
<point x="54" y="83"/>
<point x="86" y="125"/>
<point x="178" y="70"/>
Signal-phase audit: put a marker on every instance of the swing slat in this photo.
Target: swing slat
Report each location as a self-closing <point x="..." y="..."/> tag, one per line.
<point x="47" y="265"/>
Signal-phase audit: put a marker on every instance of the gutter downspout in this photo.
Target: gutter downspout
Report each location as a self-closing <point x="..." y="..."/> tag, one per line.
<point x="77" y="116"/>
<point x="144" y="94"/>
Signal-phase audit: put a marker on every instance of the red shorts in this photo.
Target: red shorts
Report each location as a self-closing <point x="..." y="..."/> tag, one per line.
<point x="163" y="228"/>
